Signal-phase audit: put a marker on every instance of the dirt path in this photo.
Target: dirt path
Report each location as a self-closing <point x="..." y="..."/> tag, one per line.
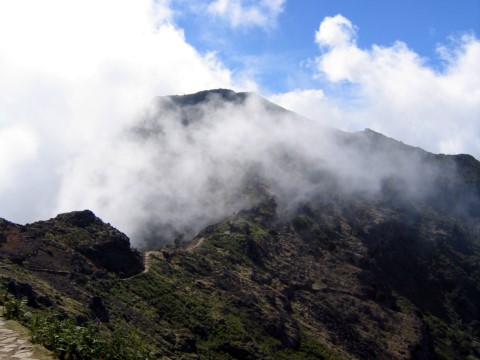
<point x="147" y="260"/>
<point x="196" y="245"/>
<point x="14" y="344"/>
<point x="148" y="255"/>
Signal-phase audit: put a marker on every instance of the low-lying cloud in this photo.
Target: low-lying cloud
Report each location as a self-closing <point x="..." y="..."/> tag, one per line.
<point x="74" y="74"/>
<point x="180" y="168"/>
<point x="74" y="86"/>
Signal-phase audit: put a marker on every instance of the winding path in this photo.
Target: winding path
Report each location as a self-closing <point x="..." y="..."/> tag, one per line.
<point x="195" y="245"/>
<point x="147" y="257"/>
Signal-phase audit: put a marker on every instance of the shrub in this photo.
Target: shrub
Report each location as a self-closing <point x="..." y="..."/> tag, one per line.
<point x="69" y="341"/>
<point x="72" y="342"/>
<point x="14" y="308"/>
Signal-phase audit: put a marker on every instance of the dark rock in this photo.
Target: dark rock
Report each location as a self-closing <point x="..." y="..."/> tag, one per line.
<point x="274" y="326"/>
<point x="81" y="319"/>
<point x="261" y="279"/>
<point x="200" y="330"/>
<point x="114" y="257"/>
<point x="171" y="337"/>
<point x="98" y="309"/>
<point x="187" y="344"/>
<point x="245" y="299"/>
<point x="79" y="218"/>
<point x="254" y="250"/>
<point x="19" y="290"/>
<point x="237" y="351"/>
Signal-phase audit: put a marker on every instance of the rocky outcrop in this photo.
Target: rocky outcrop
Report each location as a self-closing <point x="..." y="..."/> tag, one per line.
<point x="102" y="245"/>
<point x="64" y="253"/>
<point x="106" y="247"/>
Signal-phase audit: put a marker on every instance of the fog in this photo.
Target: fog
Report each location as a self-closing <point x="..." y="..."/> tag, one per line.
<point x="180" y="167"/>
<point x="78" y="129"/>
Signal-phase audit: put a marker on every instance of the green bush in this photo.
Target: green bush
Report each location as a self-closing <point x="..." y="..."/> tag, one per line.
<point x="14" y="308"/>
<point x="69" y="341"/>
<point x="72" y="342"/>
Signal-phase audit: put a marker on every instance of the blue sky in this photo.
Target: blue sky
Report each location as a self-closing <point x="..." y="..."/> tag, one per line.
<point x="289" y="41"/>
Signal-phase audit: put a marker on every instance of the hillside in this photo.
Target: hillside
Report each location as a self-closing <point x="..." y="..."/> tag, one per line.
<point x="343" y="271"/>
<point x="339" y="279"/>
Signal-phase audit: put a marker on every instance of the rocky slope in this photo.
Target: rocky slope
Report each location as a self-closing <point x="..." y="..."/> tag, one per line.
<point x="338" y="278"/>
<point x="51" y="262"/>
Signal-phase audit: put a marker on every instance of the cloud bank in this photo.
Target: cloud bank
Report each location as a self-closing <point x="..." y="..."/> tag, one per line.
<point x="75" y="73"/>
<point x="181" y="168"/>
<point x="76" y="77"/>
<point x="391" y="89"/>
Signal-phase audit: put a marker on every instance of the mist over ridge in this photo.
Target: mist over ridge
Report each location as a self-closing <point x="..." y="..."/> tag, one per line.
<point x="187" y="161"/>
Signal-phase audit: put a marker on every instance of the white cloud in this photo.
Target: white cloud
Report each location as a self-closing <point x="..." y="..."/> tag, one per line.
<point x="170" y="179"/>
<point x="18" y="144"/>
<point x="181" y="178"/>
<point x="74" y="73"/>
<point x="311" y="103"/>
<point x="261" y="13"/>
<point x="335" y="31"/>
<point x="395" y="92"/>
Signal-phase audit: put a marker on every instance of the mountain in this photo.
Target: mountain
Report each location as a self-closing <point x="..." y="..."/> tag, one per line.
<point x="375" y="255"/>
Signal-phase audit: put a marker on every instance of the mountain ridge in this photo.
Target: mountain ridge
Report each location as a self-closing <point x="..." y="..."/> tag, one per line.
<point x="344" y="271"/>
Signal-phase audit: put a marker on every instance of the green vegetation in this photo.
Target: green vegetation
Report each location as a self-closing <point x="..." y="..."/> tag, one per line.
<point x="13" y="308"/>
<point x="451" y="342"/>
<point x="310" y="349"/>
<point x="431" y="262"/>
<point x="69" y="341"/>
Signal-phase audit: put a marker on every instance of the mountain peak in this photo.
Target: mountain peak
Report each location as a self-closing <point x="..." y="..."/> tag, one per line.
<point x="205" y="95"/>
